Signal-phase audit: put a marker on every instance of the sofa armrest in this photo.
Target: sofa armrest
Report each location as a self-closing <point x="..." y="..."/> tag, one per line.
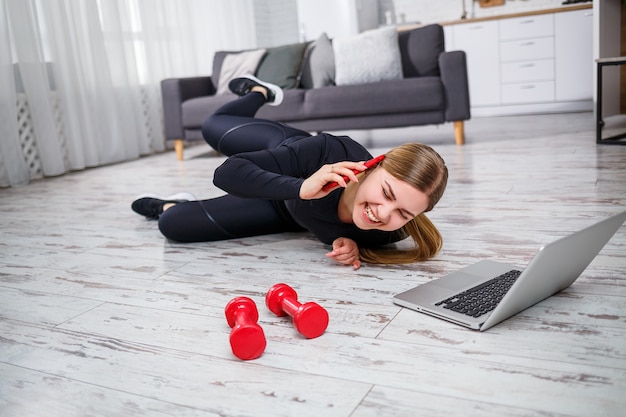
<point x="174" y="92"/>
<point x="453" y="69"/>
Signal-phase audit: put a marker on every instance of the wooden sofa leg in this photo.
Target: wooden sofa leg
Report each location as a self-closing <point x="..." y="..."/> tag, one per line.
<point x="179" y="146"/>
<point x="459" y="132"/>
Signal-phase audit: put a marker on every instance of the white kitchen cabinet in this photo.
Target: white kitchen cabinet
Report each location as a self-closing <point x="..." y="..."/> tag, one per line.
<point x="521" y="93"/>
<point x="573" y="39"/>
<point x="526" y="27"/>
<point x="525" y="71"/>
<point x="448" y="36"/>
<point x="527" y="49"/>
<point x="527" y="59"/>
<point x="480" y="42"/>
<point x="528" y="64"/>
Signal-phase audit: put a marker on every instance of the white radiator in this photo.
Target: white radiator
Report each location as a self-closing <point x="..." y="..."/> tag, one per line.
<point x="28" y="139"/>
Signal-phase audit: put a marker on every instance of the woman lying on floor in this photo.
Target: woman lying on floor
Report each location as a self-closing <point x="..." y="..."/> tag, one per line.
<point x="277" y="181"/>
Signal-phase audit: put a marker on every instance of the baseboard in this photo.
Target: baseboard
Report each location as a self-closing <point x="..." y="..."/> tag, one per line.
<point x="535" y="108"/>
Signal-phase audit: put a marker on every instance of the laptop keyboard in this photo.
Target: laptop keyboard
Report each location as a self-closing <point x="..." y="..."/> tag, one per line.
<point x="482" y="298"/>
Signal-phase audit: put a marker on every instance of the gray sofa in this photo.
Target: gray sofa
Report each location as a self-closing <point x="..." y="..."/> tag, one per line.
<point x="433" y="90"/>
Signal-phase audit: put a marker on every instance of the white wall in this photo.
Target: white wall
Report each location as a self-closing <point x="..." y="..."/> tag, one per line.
<point x="336" y="18"/>
<point x="277" y="20"/>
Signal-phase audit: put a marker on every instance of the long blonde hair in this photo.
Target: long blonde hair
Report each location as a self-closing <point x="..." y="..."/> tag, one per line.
<point x="423" y="168"/>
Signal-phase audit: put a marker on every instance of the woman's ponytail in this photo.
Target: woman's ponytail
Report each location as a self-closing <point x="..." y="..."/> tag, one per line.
<point x="428" y="241"/>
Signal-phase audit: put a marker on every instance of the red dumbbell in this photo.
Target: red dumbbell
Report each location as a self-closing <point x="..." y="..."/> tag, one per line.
<point x="310" y="319"/>
<point x="247" y="339"/>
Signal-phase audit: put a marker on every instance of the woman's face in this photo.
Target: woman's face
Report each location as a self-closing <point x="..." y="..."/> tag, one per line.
<point x="384" y="202"/>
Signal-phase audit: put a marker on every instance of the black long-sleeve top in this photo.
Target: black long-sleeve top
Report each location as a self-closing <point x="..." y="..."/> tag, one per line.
<point x="277" y="174"/>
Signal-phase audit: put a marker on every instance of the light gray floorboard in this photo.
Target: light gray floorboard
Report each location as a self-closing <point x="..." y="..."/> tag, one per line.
<point x="101" y="316"/>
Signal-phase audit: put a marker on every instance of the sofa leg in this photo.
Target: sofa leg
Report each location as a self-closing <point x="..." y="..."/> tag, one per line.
<point x="459" y="132"/>
<point x="179" y="146"/>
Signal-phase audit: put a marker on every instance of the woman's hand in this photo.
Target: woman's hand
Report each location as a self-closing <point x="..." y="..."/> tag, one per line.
<point x="346" y="252"/>
<point x="312" y="187"/>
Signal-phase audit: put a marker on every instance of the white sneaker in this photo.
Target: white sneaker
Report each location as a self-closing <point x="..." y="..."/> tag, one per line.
<point x="242" y="86"/>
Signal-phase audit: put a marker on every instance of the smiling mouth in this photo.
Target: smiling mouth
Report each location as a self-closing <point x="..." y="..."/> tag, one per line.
<point x="369" y="215"/>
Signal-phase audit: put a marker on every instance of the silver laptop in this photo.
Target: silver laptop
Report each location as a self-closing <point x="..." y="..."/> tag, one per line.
<point x="484" y="294"/>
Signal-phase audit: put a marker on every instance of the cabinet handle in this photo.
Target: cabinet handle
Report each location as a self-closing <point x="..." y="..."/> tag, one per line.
<point x="527" y="22"/>
<point x="475" y="27"/>
<point x="527" y="65"/>
<point x="527" y="87"/>
<point x="530" y="43"/>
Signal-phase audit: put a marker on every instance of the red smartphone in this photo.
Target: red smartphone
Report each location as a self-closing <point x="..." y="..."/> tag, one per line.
<point x="372" y="162"/>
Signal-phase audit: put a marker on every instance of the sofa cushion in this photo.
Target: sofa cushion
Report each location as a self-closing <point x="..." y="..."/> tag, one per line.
<point x="385" y="97"/>
<point x="236" y="65"/>
<point x="281" y="65"/>
<point x="319" y="65"/>
<point x="218" y="60"/>
<point x="305" y="72"/>
<point x="420" y="49"/>
<point x="196" y="110"/>
<point x="369" y="57"/>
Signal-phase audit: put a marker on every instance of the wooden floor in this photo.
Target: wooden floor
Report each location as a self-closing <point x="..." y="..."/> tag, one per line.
<point x="100" y="316"/>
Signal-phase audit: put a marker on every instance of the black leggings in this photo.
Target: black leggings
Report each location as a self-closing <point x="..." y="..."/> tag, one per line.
<point x="233" y="129"/>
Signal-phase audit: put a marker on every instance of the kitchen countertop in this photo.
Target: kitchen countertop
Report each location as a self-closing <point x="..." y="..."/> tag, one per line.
<point x="565" y="8"/>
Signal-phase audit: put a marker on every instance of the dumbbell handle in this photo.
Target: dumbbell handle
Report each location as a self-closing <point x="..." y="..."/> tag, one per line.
<point x="310" y="319"/>
<point x="244" y="318"/>
<point x="291" y="306"/>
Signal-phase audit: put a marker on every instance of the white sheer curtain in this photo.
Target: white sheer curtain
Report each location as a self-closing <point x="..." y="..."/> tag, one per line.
<point x="90" y="72"/>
